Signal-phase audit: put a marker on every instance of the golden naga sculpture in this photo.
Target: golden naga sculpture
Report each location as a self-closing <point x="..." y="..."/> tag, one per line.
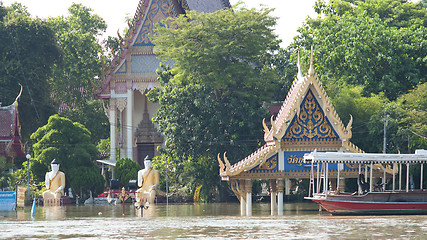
<point x="148" y="181"/>
<point x="224" y="168"/>
<point x="347" y="130"/>
<point x="55" y="184"/>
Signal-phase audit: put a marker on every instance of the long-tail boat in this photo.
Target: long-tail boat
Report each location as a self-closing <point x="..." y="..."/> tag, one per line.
<point x="370" y="198"/>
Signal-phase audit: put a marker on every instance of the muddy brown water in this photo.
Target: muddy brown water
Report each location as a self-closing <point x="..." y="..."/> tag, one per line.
<point x="204" y="221"/>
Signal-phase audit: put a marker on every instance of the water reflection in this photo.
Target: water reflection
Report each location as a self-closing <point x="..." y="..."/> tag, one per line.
<point x="204" y="221"/>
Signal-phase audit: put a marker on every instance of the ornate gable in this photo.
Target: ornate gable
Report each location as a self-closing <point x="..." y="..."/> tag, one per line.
<point x="158" y="10"/>
<point x="308" y="114"/>
<point x="311" y="123"/>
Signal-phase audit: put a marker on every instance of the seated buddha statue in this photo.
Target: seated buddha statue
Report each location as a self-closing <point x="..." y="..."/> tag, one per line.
<point x="148" y="181"/>
<point x="55" y="184"/>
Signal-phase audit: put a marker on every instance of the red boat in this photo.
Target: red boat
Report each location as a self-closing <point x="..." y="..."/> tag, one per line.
<point x="369" y="199"/>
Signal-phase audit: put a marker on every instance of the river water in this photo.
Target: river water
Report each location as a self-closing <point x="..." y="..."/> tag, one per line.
<point x="204" y="221"/>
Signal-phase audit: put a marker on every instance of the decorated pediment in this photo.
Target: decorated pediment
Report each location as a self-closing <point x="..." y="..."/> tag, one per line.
<point x="311" y="122"/>
<point x="157" y="11"/>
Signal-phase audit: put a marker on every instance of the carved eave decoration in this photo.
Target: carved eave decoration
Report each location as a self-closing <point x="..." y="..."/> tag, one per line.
<point x="257" y="158"/>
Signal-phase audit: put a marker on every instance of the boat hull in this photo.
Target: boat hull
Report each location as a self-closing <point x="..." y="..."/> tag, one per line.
<point x="372" y="203"/>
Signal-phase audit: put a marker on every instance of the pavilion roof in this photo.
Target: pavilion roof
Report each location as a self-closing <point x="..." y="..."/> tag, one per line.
<point x="10" y="131"/>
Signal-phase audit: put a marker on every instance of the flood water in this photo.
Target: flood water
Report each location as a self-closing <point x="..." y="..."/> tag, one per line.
<point x="204" y="221"/>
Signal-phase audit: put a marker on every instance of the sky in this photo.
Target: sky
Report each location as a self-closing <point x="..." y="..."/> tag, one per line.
<point x="291" y="13"/>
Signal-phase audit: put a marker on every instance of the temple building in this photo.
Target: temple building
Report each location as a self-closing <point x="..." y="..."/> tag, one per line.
<point x="10" y="132"/>
<point x="306" y="122"/>
<point x="132" y="73"/>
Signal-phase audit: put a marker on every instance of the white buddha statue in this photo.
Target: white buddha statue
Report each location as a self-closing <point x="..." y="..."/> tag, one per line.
<point x="55" y="184"/>
<point x="148" y="181"/>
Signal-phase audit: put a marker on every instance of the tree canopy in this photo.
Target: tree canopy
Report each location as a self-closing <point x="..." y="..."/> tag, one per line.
<point x="69" y="143"/>
<point x="126" y="169"/>
<point x="81" y="56"/>
<point x="211" y="101"/>
<point x="28" y="52"/>
<point x="380" y="45"/>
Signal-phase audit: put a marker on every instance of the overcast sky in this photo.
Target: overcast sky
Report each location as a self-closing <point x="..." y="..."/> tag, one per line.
<point x="291" y="13"/>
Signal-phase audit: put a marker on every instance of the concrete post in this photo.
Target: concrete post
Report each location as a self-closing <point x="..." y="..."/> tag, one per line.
<point x="249" y="197"/>
<point x="113" y="130"/>
<point x="280" y="186"/>
<point x="129" y="124"/>
<point x="242" y="198"/>
<point x="273" y="193"/>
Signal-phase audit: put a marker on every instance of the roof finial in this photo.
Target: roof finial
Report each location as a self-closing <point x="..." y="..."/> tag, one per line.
<point x="19" y="95"/>
<point x="311" y="69"/>
<point x="299" y="75"/>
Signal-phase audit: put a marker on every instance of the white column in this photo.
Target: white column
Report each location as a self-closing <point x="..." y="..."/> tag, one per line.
<point x="371" y="186"/>
<point x="280" y="186"/>
<point x="242" y="206"/>
<point x="400" y="176"/>
<point x="249" y="197"/>
<point x="394" y="177"/>
<point x="129" y="125"/>
<point x="338" y="177"/>
<point x="242" y="198"/>
<point x="407" y="177"/>
<point x="281" y="166"/>
<point x="358" y="182"/>
<point x="113" y="131"/>
<point x="273" y="194"/>
<point x="422" y="170"/>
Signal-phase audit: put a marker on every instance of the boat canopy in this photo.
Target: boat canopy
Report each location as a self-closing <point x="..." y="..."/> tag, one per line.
<point x="420" y="156"/>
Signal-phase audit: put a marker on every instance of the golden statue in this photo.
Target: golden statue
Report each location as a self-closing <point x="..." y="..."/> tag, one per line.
<point x="148" y="181"/>
<point x="55" y="184"/>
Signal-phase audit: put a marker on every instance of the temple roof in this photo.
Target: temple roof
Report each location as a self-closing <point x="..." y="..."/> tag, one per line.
<point x="10" y="131"/>
<point x="323" y="128"/>
<point x="135" y="60"/>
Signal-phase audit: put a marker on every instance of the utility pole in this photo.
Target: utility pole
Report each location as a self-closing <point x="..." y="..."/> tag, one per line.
<point x="385" y="132"/>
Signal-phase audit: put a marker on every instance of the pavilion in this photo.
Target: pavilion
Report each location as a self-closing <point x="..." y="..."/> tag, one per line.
<point x="307" y="121"/>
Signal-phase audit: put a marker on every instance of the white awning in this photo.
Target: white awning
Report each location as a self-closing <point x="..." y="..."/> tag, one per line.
<point x="109" y="162"/>
<point x="420" y="156"/>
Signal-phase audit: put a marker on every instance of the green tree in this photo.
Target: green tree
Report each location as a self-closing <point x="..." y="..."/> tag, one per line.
<point x="69" y="143"/>
<point x="406" y="122"/>
<point x="126" y="169"/>
<point x="103" y="147"/>
<point x="349" y="100"/>
<point x="82" y="56"/>
<point x="380" y="45"/>
<point x="92" y="116"/>
<point x="4" y="173"/>
<point x="414" y="122"/>
<point x="211" y="101"/>
<point x="28" y="52"/>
